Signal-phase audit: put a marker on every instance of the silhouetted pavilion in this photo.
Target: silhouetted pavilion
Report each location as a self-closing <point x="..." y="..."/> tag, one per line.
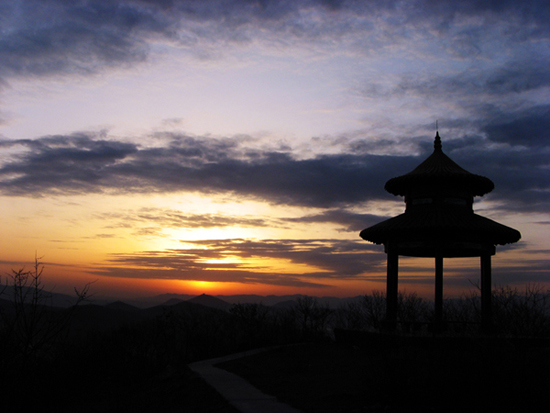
<point x="439" y="222"/>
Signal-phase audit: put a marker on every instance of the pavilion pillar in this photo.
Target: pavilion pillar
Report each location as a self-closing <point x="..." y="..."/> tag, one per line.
<point x="438" y="293"/>
<point x="391" y="289"/>
<point x="486" y="298"/>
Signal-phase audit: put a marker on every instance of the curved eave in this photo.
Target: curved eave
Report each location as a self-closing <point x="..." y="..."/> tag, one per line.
<point x="444" y="226"/>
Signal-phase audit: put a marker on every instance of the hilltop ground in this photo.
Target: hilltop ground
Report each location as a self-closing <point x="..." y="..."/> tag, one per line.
<point x="477" y="376"/>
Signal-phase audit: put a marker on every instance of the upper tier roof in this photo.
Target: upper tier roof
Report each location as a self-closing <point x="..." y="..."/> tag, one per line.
<point x="438" y="171"/>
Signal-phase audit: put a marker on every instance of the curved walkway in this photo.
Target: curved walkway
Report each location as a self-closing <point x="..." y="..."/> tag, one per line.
<point x="236" y="390"/>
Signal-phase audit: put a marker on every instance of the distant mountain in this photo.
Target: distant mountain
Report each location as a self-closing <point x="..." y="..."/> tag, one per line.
<point x="93" y="318"/>
<point x="284" y="300"/>
<point x="173" y="301"/>
<point x="115" y="315"/>
<point x="158" y="299"/>
<point x="48" y="298"/>
<point x="269" y="300"/>
<point x="285" y="305"/>
<point x="119" y="305"/>
<point x="210" y="301"/>
<point x="247" y="299"/>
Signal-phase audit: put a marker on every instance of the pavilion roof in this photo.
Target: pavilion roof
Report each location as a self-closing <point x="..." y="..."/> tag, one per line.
<point x="425" y="229"/>
<point x="439" y="171"/>
<point x="437" y="225"/>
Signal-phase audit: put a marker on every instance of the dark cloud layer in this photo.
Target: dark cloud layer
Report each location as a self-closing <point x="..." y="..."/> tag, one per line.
<point x="504" y="79"/>
<point x="349" y="221"/>
<point x="529" y="128"/>
<point x="49" y="37"/>
<point x="78" y="164"/>
<point x="81" y="164"/>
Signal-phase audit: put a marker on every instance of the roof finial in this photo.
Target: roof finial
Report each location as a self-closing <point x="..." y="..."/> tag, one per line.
<point x="437" y="142"/>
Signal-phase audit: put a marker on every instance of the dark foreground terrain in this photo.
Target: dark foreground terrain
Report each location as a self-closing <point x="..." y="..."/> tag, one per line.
<point x="427" y="376"/>
<point x="118" y="358"/>
<point x="78" y="390"/>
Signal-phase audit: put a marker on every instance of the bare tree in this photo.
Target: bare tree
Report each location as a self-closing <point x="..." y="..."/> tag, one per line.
<point x="312" y="316"/>
<point x="29" y="325"/>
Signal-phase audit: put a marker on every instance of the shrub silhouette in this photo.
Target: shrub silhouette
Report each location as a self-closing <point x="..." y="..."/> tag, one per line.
<point x="312" y="317"/>
<point x="515" y="313"/>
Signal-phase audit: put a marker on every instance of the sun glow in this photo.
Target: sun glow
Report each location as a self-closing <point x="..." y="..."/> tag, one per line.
<point x="212" y="287"/>
<point x="203" y="285"/>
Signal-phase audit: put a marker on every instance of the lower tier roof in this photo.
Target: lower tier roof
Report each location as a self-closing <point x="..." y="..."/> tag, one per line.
<point x="439" y="227"/>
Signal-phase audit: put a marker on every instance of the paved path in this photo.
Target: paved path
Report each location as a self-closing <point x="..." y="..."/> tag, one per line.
<point x="241" y="394"/>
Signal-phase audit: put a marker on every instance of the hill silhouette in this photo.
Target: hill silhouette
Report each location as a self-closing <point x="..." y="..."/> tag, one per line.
<point x="173" y="301"/>
<point x="267" y="300"/>
<point x="210" y="301"/>
<point x="120" y="305"/>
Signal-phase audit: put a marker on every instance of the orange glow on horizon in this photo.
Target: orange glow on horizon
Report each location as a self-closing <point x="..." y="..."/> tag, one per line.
<point x="416" y="277"/>
<point x="203" y="285"/>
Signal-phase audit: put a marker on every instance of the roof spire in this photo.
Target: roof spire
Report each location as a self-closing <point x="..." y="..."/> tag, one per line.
<point x="437" y="142"/>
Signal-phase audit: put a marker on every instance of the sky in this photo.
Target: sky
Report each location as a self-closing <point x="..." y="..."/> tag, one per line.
<point x="239" y="147"/>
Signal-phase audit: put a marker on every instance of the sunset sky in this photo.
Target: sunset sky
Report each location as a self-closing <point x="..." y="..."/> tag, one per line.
<point x="239" y="147"/>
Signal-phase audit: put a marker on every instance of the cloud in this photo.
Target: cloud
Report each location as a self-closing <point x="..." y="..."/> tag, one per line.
<point x="248" y="261"/>
<point x="50" y="37"/>
<point x="512" y="77"/>
<point x="79" y="164"/>
<point x="74" y="161"/>
<point x="529" y="127"/>
<point x="350" y="221"/>
<point x="232" y="260"/>
<point x="152" y="221"/>
<point x="500" y="101"/>
<point x="87" y="163"/>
